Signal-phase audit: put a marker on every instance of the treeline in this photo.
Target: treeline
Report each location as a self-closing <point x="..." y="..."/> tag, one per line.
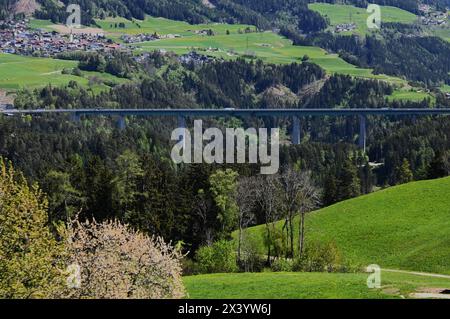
<point x="192" y="11"/>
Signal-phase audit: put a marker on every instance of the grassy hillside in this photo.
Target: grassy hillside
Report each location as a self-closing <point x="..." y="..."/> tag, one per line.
<point x="20" y="71"/>
<point x="305" y="285"/>
<point x="339" y="14"/>
<point x="164" y="26"/>
<point x="404" y="227"/>
<point x="266" y="46"/>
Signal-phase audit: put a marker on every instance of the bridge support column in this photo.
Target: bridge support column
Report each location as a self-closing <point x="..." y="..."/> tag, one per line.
<point x="362" y="132"/>
<point x="296" y="133"/>
<point x="75" y="117"/>
<point x="182" y="125"/>
<point x="121" y="123"/>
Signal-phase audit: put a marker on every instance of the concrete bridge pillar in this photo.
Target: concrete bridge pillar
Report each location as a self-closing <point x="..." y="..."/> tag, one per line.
<point x="121" y="124"/>
<point x="75" y="117"/>
<point x="296" y="131"/>
<point x="182" y="125"/>
<point x="362" y="132"/>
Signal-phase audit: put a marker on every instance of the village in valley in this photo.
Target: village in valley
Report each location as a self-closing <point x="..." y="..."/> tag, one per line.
<point x="16" y="37"/>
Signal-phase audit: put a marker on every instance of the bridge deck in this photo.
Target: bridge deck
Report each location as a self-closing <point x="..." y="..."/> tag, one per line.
<point x="234" y="112"/>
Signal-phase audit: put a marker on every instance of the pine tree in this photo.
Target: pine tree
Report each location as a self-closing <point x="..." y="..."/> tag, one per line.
<point x="349" y="185"/>
<point x="404" y="173"/>
<point x="330" y="190"/>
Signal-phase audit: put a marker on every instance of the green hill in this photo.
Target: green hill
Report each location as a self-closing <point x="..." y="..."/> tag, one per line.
<point x="404" y="227"/>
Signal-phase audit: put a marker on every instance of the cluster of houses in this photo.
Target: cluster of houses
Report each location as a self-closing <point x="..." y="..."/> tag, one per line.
<point x="17" y="38"/>
<point x="127" y="38"/>
<point x="345" y="27"/>
<point x="196" y="58"/>
<point x="432" y="17"/>
<point x="435" y="19"/>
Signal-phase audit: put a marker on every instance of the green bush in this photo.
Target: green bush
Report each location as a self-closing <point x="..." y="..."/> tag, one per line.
<point x="220" y="257"/>
<point x="285" y="265"/>
<point x="251" y="257"/>
<point x="189" y="267"/>
<point x="320" y="257"/>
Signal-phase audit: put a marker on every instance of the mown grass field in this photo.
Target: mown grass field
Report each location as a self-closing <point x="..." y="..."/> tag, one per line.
<point x="305" y="285"/>
<point x="18" y="72"/>
<point x="403" y="227"/>
<point x="339" y="14"/>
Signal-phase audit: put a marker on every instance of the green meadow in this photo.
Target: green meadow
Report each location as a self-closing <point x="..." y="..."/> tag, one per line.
<point x="402" y="227"/>
<point x="410" y="95"/>
<point x="339" y="14"/>
<point x="270" y="285"/>
<point x="46" y="25"/>
<point x="443" y="33"/>
<point x="29" y="72"/>
<point x="164" y="26"/>
<point x="19" y="71"/>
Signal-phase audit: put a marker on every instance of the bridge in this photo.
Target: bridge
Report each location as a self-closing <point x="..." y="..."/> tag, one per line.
<point x="295" y="114"/>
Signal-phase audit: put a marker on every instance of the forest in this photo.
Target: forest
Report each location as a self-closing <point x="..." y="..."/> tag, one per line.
<point x="86" y="181"/>
<point x="105" y="173"/>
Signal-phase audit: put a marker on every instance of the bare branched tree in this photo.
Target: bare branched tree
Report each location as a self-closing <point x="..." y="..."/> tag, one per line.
<point x="309" y="198"/>
<point x="299" y="196"/>
<point x="245" y="198"/>
<point x="267" y="191"/>
<point x="203" y="207"/>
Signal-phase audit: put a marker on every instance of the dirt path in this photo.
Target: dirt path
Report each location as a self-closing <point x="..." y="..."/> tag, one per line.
<point x="426" y="274"/>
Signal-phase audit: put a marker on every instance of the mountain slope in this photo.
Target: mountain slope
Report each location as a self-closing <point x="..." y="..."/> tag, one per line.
<point x="405" y="227"/>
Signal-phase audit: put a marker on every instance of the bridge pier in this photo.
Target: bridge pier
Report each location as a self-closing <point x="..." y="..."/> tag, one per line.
<point x="362" y="132"/>
<point x="75" y="117"/>
<point x="296" y="131"/>
<point x="121" y="124"/>
<point x="182" y="125"/>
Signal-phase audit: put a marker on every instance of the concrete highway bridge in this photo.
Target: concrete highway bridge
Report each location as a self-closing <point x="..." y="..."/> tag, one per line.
<point x="182" y="114"/>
